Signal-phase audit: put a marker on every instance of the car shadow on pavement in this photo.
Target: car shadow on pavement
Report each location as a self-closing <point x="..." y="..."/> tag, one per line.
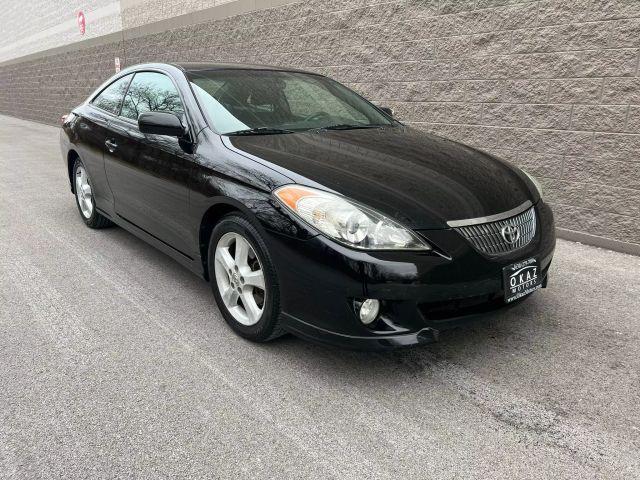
<point x="522" y="328"/>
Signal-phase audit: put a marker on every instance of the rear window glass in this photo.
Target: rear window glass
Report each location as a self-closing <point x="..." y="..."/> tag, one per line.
<point x="111" y="97"/>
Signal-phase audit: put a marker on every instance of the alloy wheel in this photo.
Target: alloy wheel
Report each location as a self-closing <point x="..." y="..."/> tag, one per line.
<point x="83" y="192"/>
<point x="240" y="278"/>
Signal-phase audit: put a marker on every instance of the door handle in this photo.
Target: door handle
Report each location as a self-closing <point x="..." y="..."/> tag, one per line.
<point x="111" y="145"/>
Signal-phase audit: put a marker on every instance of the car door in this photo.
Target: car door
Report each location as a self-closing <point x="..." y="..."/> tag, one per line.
<point x="149" y="174"/>
<point x="93" y="131"/>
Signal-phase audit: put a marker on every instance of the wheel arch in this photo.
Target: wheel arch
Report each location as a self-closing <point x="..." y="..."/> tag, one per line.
<point x="212" y="215"/>
<point x="72" y="156"/>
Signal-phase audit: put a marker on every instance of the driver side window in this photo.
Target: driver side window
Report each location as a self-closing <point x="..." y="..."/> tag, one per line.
<point x="151" y="92"/>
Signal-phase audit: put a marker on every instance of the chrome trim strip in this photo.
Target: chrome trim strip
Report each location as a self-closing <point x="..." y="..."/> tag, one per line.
<point x="491" y="218"/>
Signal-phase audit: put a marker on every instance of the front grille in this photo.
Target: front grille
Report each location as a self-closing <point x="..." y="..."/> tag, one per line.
<point x="487" y="237"/>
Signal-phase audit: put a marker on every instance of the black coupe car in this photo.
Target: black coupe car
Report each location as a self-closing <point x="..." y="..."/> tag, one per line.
<point x="307" y="208"/>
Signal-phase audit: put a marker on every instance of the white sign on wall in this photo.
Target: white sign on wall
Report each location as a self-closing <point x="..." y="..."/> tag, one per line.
<point x="117" y="64"/>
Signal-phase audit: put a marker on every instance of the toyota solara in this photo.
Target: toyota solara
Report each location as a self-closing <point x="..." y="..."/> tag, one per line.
<point x="308" y="209"/>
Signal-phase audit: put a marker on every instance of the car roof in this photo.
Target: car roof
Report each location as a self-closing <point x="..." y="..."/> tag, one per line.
<point x="208" y="66"/>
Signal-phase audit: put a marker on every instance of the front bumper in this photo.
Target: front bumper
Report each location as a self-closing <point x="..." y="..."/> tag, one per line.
<point x="420" y="293"/>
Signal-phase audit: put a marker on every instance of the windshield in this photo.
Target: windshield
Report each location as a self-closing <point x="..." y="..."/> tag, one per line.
<point x="267" y="101"/>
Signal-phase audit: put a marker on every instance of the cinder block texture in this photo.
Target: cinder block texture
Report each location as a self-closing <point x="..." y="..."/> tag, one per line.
<point x="36" y="25"/>
<point x="551" y="85"/>
<point x="142" y="12"/>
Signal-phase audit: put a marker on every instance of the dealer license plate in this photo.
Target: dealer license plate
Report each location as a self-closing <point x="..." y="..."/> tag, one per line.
<point x="520" y="279"/>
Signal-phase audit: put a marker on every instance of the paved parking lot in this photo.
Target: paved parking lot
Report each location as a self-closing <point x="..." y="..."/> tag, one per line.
<point x="114" y="362"/>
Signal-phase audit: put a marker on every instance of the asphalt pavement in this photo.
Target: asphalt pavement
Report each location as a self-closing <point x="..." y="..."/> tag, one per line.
<point x="115" y="363"/>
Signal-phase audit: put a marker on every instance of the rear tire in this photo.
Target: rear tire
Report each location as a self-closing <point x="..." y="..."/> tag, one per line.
<point x="83" y="190"/>
<point x="237" y="272"/>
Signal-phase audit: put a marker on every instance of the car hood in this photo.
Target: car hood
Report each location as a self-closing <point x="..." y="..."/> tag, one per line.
<point x="419" y="179"/>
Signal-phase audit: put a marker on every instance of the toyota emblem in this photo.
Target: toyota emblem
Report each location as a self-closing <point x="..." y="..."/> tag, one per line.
<point x="510" y="233"/>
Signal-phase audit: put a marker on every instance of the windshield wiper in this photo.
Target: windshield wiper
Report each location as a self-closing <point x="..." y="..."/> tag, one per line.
<point x="347" y="126"/>
<point x="260" y="131"/>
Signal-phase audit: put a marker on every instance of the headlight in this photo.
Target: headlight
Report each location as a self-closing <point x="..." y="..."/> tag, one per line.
<point x="347" y="222"/>
<point x="535" y="181"/>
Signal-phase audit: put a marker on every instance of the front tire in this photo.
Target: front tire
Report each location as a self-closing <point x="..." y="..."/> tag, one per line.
<point x="243" y="279"/>
<point x="84" y="198"/>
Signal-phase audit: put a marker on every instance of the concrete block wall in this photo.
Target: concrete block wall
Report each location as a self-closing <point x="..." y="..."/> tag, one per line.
<point x="550" y="85"/>
<point x="142" y="12"/>
<point x="37" y="25"/>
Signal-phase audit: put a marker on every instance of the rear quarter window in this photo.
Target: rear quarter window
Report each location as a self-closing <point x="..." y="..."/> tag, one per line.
<point x="111" y="97"/>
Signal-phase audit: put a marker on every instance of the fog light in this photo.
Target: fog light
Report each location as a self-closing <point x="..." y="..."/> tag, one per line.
<point x="369" y="310"/>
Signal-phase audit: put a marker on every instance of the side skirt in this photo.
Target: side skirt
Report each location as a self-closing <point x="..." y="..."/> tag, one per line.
<point x="192" y="264"/>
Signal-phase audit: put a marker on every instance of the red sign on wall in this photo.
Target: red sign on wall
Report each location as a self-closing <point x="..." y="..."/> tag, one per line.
<point x="81" y="22"/>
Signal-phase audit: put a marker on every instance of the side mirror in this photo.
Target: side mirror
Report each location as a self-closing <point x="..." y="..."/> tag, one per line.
<point x="387" y="110"/>
<point x="161" y="123"/>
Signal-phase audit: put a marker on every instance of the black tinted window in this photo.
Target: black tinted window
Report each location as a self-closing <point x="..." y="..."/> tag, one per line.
<point x="151" y="91"/>
<point x="111" y="97"/>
